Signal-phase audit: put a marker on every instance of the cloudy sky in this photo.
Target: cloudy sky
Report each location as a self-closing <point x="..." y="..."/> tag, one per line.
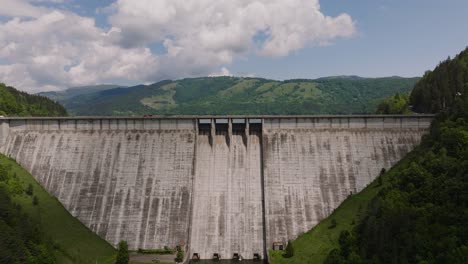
<point x="55" y="44"/>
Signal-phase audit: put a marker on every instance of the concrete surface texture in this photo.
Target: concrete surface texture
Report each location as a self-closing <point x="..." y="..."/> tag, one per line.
<point x="227" y="197"/>
<point x="162" y="182"/>
<point x="133" y="186"/>
<point x="308" y="173"/>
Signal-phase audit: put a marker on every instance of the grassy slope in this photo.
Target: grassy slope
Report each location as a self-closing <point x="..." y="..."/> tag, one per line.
<point x="314" y="246"/>
<point x="75" y="243"/>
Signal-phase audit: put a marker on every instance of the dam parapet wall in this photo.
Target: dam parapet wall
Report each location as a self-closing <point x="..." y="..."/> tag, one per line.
<point x="221" y="185"/>
<point x="189" y="122"/>
<point x="349" y="122"/>
<point x="96" y="124"/>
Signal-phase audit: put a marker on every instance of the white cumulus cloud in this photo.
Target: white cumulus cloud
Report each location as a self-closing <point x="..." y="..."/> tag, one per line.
<point x="227" y="28"/>
<point x="59" y="49"/>
<point x="43" y="48"/>
<point x="19" y="8"/>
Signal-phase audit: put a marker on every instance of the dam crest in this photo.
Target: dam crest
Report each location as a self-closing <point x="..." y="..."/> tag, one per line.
<point x="222" y="185"/>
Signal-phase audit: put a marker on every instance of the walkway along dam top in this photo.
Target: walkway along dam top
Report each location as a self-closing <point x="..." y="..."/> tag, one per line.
<point x="225" y="185"/>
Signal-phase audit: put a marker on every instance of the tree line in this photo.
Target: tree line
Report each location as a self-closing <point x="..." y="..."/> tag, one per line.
<point x="17" y="103"/>
<point x="442" y="88"/>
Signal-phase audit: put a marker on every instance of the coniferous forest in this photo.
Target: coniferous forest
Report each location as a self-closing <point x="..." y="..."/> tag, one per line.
<point x="21" y="239"/>
<point x="442" y="88"/>
<point x="17" y="103"/>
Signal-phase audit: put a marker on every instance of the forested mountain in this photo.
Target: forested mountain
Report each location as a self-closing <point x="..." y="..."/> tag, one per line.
<point x="441" y="88"/>
<point x="62" y="96"/>
<point x="17" y="103"/>
<point x="233" y="95"/>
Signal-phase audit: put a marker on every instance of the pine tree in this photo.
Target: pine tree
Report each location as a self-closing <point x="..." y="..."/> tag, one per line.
<point x="122" y="254"/>
<point x="29" y="190"/>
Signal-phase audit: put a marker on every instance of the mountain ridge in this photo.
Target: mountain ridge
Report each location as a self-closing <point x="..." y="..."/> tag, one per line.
<point x="79" y="90"/>
<point x="241" y="95"/>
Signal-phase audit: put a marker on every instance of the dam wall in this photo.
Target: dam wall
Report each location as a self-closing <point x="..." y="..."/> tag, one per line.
<point x="215" y="185"/>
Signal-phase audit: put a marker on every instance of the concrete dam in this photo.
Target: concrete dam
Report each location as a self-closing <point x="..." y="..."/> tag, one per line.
<point x="214" y="185"/>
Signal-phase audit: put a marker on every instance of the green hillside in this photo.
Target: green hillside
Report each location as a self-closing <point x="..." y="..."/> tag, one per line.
<point x="415" y="213"/>
<point x="60" y="233"/>
<point x="233" y="95"/>
<point x="62" y="96"/>
<point x="17" y="103"/>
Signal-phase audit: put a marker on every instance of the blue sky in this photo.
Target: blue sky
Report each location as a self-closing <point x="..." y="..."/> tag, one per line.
<point x="395" y="37"/>
<point x="54" y="44"/>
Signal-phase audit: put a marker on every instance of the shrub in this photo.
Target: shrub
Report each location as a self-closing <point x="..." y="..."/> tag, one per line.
<point x="179" y="256"/>
<point x="289" y="252"/>
<point x="382" y="171"/>
<point x="379" y="181"/>
<point x="29" y="190"/>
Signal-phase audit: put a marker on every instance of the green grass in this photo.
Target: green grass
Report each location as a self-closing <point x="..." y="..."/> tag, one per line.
<point x="308" y="91"/>
<point x="164" y="100"/>
<point x="265" y="87"/>
<point x="74" y="242"/>
<point x="314" y="246"/>
<point x="283" y="89"/>
<point x="239" y="88"/>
